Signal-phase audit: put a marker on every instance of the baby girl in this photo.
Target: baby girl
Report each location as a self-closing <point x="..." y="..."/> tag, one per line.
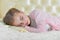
<point x="36" y="21"/>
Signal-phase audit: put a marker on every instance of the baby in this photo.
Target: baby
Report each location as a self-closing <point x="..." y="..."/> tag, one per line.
<point x="35" y="22"/>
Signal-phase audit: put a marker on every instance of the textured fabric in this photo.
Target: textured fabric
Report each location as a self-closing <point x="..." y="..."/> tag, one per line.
<point x="32" y="22"/>
<point x="42" y="19"/>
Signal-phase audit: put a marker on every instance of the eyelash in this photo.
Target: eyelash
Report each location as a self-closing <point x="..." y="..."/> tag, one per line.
<point x="21" y="18"/>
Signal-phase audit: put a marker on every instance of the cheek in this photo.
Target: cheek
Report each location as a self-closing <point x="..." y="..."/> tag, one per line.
<point x="16" y="22"/>
<point x="26" y="19"/>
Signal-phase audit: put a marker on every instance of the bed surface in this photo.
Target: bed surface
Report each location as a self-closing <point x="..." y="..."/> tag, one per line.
<point x="8" y="33"/>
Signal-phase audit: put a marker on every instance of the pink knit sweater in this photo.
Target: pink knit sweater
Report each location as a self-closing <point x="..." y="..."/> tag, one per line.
<point x="42" y="19"/>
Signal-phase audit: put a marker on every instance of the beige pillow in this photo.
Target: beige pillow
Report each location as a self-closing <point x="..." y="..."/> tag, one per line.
<point x="20" y="29"/>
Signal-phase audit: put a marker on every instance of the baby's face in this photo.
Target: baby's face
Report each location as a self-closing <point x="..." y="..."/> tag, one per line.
<point x="20" y="19"/>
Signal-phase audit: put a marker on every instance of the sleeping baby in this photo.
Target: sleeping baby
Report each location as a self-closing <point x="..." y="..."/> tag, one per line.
<point x="36" y="21"/>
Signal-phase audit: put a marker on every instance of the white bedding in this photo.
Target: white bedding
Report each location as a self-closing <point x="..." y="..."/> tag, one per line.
<point x="7" y="33"/>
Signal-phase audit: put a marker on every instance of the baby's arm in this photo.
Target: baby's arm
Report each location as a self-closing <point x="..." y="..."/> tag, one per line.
<point x="54" y="23"/>
<point x="40" y="28"/>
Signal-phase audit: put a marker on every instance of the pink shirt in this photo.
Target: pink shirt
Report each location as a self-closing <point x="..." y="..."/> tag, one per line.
<point x="42" y="19"/>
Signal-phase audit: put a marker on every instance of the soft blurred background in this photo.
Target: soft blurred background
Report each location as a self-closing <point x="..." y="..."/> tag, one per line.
<point x="50" y="6"/>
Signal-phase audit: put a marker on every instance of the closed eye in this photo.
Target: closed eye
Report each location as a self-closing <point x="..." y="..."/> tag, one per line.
<point x="21" y="18"/>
